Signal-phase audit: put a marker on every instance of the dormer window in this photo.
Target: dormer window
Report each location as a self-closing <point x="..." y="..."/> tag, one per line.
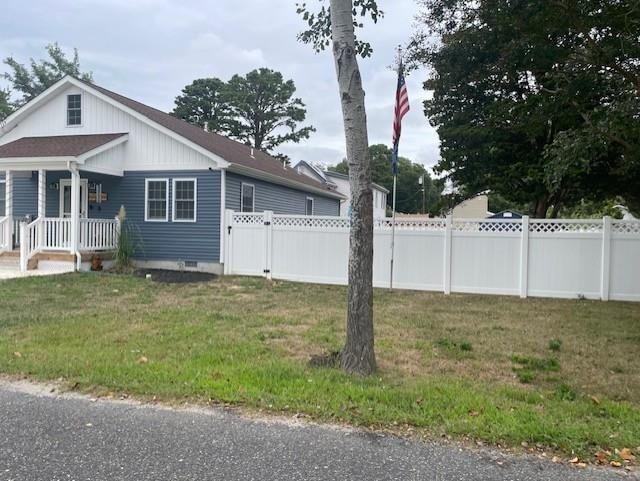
<point x="74" y="110"/>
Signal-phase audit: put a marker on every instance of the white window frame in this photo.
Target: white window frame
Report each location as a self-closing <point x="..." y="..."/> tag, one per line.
<point x="253" y="197"/>
<point x="313" y="205"/>
<point x="66" y="110"/>
<point x="174" y="199"/>
<point x="146" y="200"/>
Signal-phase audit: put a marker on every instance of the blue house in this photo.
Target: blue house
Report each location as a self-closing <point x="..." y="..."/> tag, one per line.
<point x="71" y="157"/>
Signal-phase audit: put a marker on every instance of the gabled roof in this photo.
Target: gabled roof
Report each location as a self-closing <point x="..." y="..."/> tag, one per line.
<point x="55" y="146"/>
<point x="230" y="150"/>
<point x="242" y="159"/>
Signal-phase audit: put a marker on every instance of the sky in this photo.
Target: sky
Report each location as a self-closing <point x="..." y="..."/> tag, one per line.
<point x="150" y="49"/>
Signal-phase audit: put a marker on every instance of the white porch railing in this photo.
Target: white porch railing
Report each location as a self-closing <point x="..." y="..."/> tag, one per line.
<point x="5" y="237"/>
<point x="29" y="242"/>
<point x="54" y="234"/>
<point x="98" y="234"/>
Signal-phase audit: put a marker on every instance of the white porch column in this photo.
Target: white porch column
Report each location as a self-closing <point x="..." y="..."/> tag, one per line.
<point x="75" y="210"/>
<point x="8" y="205"/>
<point x="42" y="193"/>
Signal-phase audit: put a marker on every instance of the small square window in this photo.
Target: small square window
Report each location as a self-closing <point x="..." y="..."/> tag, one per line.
<point x="74" y="109"/>
<point x="247" y="200"/>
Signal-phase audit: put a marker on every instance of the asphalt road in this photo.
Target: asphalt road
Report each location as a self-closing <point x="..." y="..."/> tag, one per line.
<point x="49" y="437"/>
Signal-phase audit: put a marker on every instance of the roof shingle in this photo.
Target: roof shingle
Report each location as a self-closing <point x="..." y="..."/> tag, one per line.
<point x="55" y="146"/>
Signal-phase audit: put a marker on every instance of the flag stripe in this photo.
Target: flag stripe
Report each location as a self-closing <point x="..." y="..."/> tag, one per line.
<point x="400" y="110"/>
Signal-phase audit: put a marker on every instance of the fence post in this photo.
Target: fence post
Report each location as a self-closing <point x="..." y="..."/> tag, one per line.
<point x="268" y="232"/>
<point x="24" y="242"/>
<point x="228" y="243"/>
<point x="447" y="254"/>
<point x="524" y="257"/>
<point x="606" y="258"/>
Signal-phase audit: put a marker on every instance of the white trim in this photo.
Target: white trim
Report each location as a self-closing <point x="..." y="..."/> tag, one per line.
<point x="253" y="197"/>
<point x="67" y="124"/>
<point x="82" y="158"/>
<point x="101" y="170"/>
<point x="146" y="200"/>
<point x="174" y="199"/>
<point x="313" y="205"/>
<point x="84" y="199"/>
<point x="223" y="206"/>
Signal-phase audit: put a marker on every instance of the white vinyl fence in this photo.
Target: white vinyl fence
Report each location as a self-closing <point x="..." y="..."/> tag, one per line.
<point x="597" y="259"/>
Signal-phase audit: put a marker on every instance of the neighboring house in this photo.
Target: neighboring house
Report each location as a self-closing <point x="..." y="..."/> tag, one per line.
<point x="506" y="214"/>
<point x="340" y="183"/>
<point x="76" y="153"/>
<point x="476" y="207"/>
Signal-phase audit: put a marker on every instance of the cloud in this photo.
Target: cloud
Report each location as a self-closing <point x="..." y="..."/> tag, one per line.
<point x="150" y="49"/>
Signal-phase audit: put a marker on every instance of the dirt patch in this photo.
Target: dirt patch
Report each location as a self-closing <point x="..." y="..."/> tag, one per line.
<point x="175" y="277"/>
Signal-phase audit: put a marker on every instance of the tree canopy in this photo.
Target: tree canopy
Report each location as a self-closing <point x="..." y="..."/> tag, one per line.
<point x="30" y="81"/>
<point x="536" y="101"/>
<point x="257" y="109"/>
<point x="5" y="105"/>
<point x="409" y="190"/>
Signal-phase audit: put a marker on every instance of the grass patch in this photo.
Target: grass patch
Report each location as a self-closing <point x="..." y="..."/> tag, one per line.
<point x="248" y="341"/>
<point x="555" y="344"/>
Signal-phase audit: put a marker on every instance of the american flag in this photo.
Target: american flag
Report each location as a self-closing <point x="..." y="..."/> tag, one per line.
<point x="401" y="109"/>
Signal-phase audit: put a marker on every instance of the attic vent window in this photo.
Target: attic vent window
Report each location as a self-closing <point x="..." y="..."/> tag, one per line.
<point x="74" y="110"/>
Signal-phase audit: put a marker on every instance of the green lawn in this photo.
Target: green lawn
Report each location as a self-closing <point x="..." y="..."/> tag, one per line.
<point x="561" y="373"/>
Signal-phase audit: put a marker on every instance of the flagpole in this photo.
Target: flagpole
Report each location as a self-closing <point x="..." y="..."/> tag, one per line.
<point x="393" y="228"/>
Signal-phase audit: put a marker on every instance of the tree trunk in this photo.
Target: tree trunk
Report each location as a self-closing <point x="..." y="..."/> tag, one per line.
<point x="541" y="207"/>
<point x="358" y="355"/>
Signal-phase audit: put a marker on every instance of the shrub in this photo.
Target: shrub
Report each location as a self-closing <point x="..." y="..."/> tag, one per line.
<point x="127" y="244"/>
<point x="555" y="344"/>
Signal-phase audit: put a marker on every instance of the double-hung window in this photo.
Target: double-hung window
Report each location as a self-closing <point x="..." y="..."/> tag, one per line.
<point x="308" y="206"/>
<point x="247" y="198"/>
<point x="156" y="197"/>
<point x="74" y="110"/>
<point x="184" y="200"/>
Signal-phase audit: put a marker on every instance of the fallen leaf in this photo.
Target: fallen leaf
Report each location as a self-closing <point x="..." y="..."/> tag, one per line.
<point x="615" y="464"/>
<point x="602" y="457"/>
<point x="595" y="399"/>
<point x="143" y="360"/>
<point x="474" y="413"/>
<point x="627" y="455"/>
<point x="582" y="465"/>
<point x="17" y="354"/>
<point x="555" y="459"/>
<point x="574" y="460"/>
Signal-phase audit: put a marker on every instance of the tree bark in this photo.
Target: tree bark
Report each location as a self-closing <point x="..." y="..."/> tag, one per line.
<point x="540" y="210"/>
<point x="358" y="356"/>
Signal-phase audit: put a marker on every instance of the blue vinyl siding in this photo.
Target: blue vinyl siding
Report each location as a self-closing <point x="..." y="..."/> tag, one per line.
<point x="176" y="241"/>
<point x="278" y="198"/>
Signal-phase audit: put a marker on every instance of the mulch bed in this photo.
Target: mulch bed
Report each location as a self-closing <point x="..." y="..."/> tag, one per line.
<point x="175" y="277"/>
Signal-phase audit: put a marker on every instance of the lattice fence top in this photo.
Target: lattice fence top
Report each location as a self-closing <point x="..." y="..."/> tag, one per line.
<point x="542" y="226"/>
<point x="498" y="226"/>
<point x="248" y="219"/>
<point x="311" y="222"/>
<point x="413" y="224"/>
<point x="625" y="226"/>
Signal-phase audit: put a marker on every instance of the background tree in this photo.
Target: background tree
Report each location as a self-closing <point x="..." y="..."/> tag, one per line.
<point x="204" y="102"/>
<point x="337" y="24"/>
<point x="534" y="100"/>
<point x="42" y="74"/>
<point x="262" y="105"/>
<point x="5" y="105"/>
<point x="257" y="109"/>
<point x="409" y="190"/>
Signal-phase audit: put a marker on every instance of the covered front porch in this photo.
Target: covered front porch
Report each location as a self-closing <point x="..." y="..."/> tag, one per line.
<point x="57" y="207"/>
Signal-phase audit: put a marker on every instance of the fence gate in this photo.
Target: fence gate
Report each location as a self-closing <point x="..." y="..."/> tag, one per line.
<point x="247" y="243"/>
